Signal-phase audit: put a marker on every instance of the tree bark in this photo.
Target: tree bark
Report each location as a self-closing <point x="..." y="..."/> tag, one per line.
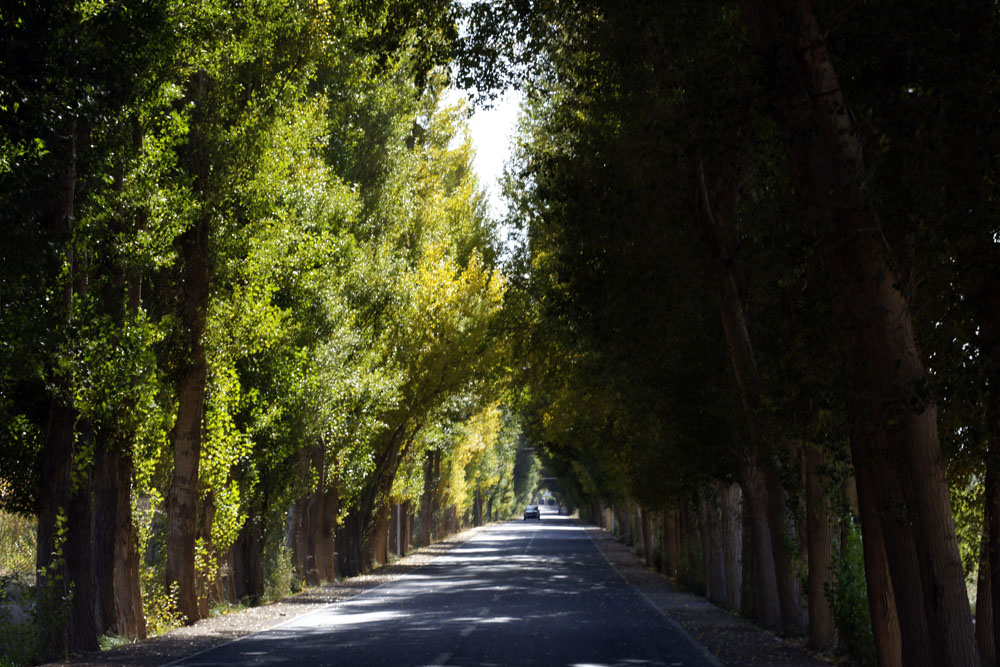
<point x="777" y="609"/>
<point x="705" y="533"/>
<point x="888" y="378"/>
<point x="767" y="606"/>
<point x="789" y="591"/>
<point x="314" y="514"/>
<point x="717" y="557"/>
<point x="432" y="472"/>
<point x="130" y="618"/>
<point x="248" y="566"/>
<point x="63" y="558"/>
<point x="984" y="585"/>
<point x="820" y="536"/>
<point x="182" y="505"/>
<point x="647" y="535"/>
<point x="331" y="503"/>
<point x="732" y="544"/>
<point x="881" y="598"/>
<point x="993" y="515"/>
<point x="671" y="542"/>
<point x="105" y="526"/>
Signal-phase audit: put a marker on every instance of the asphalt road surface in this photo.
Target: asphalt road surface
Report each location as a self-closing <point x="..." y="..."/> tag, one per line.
<point x="522" y="593"/>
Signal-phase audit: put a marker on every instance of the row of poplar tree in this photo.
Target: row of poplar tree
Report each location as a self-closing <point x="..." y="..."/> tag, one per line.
<point x="249" y="301"/>
<point x="763" y="265"/>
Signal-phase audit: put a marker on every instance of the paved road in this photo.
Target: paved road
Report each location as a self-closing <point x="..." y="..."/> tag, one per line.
<point x="522" y="593"/>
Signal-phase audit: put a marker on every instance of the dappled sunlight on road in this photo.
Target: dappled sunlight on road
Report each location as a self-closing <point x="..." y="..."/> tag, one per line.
<point x="511" y="595"/>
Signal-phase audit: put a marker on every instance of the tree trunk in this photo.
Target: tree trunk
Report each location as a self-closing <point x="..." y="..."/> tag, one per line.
<point x="732" y="544"/>
<point x="881" y="598"/>
<point x="130" y="617"/>
<point x="887" y="374"/>
<point x="300" y="539"/>
<point x="775" y="604"/>
<point x="182" y="505"/>
<point x="314" y="513"/>
<point x="408" y="524"/>
<point x="984" y="585"/>
<point x="706" y="543"/>
<point x="477" y="507"/>
<point x="993" y="515"/>
<point x="64" y="563"/>
<point x="647" y="535"/>
<point x="428" y="501"/>
<point x="671" y="542"/>
<point x="716" y="559"/>
<point x="248" y="566"/>
<point x="82" y="627"/>
<point x="206" y="585"/>
<point x="380" y="537"/>
<point x="331" y="503"/>
<point x="820" y="536"/>
<point x="349" y="540"/>
<point x="105" y="526"/>
<point x="789" y="590"/>
<point x="767" y="606"/>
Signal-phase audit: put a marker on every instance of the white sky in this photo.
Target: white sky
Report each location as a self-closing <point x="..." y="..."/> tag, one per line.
<point x="492" y="131"/>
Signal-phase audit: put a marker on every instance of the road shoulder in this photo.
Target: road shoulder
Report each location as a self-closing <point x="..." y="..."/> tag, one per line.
<point x="208" y="633"/>
<point x="730" y="639"/>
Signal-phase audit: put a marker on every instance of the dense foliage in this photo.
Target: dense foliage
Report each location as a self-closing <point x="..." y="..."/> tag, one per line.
<point x="252" y="305"/>
<point x="249" y="284"/>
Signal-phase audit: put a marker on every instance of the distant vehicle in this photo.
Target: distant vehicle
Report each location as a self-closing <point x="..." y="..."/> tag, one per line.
<point x="532" y="512"/>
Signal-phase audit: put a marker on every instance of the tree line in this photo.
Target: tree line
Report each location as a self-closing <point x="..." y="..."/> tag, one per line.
<point x="251" y="305"/>
<point x="254" y="323"/>
<point x="761" y="260"/>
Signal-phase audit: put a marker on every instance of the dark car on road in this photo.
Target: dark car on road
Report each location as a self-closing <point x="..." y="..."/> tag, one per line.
<point x="532" y="512"/>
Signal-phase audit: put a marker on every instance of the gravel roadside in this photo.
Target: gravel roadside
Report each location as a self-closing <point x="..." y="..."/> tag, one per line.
<point x="730" y="639"/>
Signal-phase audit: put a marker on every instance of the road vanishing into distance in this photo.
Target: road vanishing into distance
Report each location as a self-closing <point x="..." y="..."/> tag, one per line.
<point x="520" y="593"/>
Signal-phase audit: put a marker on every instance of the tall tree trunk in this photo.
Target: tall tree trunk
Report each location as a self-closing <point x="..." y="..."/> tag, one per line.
<point x="372" y="510"/>
<point x="881" y="598"/>
<point x="716" y="559"/>
<point x="477" y="507"/>
<point x="987" y="310"/>
<point x="182" y="505"/>
<point x="789" y="590"/>
<point x="350" y="538"/>
<point x="248" y="567"/>
<point x="993" y="516"/>
<point x="118" y="597"/>
<point x="130" y="618"/>
<point x="767" y="605"/>
<point x="883" y="361"/>
<point x="205" y="585"/>
<point x="705" y="534"/>
<point x="82" y="627"/>
<point x="407" y="527"/>
<point x="647" y="535"/>
<point x="732" y="544"/>
<point x="315" y="555"/>
<point x="714" y="220"/>
<point x="820" y="536"/>
<point x="63" y="558"/>
<point x="671" y="542"/>
<point x="432" y="470"/>
<point x="300" y="539"/>
<point x="105" y="527"/>
<point x="984" y="585"/>
<point x="331" y="504"/>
